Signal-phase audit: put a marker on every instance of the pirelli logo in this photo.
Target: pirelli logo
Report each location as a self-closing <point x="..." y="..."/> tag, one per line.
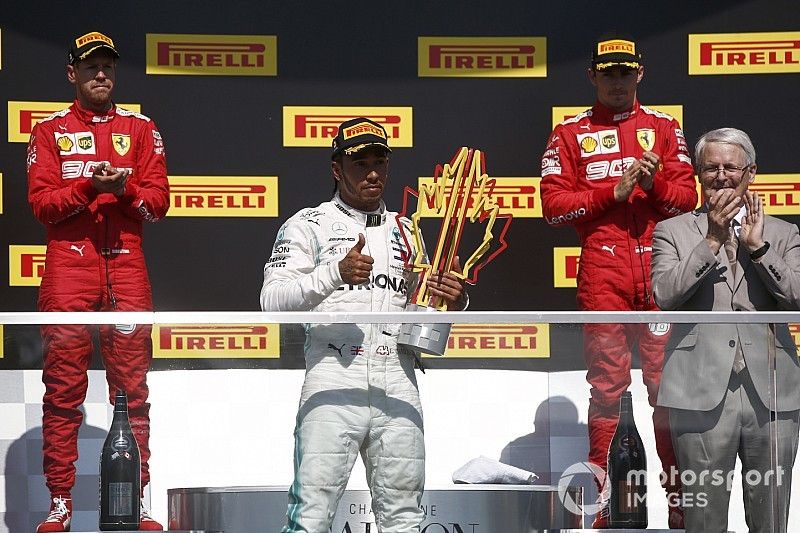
<point x="317" y="126"/>
<point x="565" y="266"/>
<point x="518" y="197"/>
<point x="26" y="265"/>
<point x="216" y="341"/>
<point x="212" y="55"/>
<point x="744" y="53"/>
<point x="779" y="192"/>
<point x="498" y="341"/>
<point x="562" y="113"/>
<point x="223" y="196"/>
<point x="482" y="57"/>
<point x="92" y="36"/>
<point x="23" y="116"/>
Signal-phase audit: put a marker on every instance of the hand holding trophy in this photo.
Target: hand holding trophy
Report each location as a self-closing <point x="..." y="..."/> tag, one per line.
<point x="461" y="193"/>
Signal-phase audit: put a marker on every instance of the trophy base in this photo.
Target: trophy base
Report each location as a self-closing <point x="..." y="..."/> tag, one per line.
<point x="424" y="338"/>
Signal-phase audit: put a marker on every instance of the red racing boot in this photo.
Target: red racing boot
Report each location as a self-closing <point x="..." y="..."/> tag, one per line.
<point x="147" y="522"/>
<point x="60" y="515"/>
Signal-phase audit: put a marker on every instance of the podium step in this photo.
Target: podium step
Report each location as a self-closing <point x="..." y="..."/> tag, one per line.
<point x="453" y="509"/>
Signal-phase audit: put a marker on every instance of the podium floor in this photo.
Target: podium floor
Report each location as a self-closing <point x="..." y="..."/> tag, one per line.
<point x="450" y="509"/>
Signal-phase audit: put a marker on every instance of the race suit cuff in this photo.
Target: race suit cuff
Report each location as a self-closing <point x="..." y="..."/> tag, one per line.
<point x="86" y="191"/>
<point x="130" y="193"/>
<point x="658" y="189"/>
<point x="604" y="198"/>
<point x="331" y="277"/>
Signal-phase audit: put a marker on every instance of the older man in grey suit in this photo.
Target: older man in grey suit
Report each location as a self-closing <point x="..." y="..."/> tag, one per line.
<point x="729" y="256"/>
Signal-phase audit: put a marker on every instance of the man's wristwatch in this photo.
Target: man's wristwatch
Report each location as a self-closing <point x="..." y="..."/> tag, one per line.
<point x="758" y="254"/>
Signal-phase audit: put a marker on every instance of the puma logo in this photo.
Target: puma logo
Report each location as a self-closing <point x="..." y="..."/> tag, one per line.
<point x="62" y="127"/>
<point x="609" y="249"/>
<point x="584" y="126"/>
<point x="79" y="250"/>
<point x="339" y="349"/>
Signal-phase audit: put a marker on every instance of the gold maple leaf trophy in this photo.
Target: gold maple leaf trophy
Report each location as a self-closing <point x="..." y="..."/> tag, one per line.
<point x="461" y="192"/>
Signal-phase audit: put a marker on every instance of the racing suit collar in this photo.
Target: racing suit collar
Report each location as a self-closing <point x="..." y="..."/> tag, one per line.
<point x="607" y="115"/>
<point x="367" y="218"/>
<point x="88" y="117"/>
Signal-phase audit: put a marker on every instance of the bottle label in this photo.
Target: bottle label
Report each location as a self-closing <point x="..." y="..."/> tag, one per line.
<point x="120" y="499"/>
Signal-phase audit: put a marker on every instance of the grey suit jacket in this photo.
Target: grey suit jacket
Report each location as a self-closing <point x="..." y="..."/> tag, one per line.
<point x="686" y="276"/>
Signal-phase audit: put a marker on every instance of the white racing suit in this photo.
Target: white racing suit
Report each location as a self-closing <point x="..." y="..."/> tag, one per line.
<point x="360" y="393"/>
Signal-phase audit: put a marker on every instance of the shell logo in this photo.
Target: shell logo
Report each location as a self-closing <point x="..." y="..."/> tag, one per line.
<point x="588" y="144"/>
<point x="64" y="144"/>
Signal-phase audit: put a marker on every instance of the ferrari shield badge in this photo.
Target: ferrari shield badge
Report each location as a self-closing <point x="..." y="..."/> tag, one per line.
<point x="646" y="138"/>
<point x="122" y="142"/>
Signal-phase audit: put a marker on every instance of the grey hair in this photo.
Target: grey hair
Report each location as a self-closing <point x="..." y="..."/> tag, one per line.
<point x="725" y="136"/>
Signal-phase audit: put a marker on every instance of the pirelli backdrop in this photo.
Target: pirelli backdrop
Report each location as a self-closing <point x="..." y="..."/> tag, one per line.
<point x="248" y="95"/>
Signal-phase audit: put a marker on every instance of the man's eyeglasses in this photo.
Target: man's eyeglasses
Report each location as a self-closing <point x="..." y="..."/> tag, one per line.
<point x="729" y="171"/>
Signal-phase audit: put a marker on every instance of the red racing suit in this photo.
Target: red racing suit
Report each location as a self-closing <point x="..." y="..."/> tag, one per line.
<point x="584" y="159"/>
<point x="94" y="263"/>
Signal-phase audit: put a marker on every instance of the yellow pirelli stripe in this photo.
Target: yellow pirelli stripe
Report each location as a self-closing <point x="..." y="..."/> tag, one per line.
<point x="223" y="196"/>
<point x="26" y="264"/>
<point x="518" y="197"/>
<point x="495" y="341"/>
<point x="794" y="331"/>
<point x="779" y="192"/>
<point x="212" y="55"/>
<point x="316" y="126"/>
<point x="23" y="116"/>
<point x="744" y="53"/>
<point x="216" y="341"/>
<point x="482" y="57"/>
<point x="562" y="113"/>
<point x="565" y="266"/>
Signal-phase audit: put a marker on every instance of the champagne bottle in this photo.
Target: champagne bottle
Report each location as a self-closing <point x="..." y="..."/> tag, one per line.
<point x="120" y="473"/>
<point x="627" y="472"/>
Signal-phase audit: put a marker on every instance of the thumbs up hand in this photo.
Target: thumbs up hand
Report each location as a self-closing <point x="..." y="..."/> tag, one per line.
<point x="356" y="267"/>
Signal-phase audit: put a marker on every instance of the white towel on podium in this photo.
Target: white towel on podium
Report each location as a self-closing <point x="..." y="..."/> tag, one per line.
<point x="483" y="470"/>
